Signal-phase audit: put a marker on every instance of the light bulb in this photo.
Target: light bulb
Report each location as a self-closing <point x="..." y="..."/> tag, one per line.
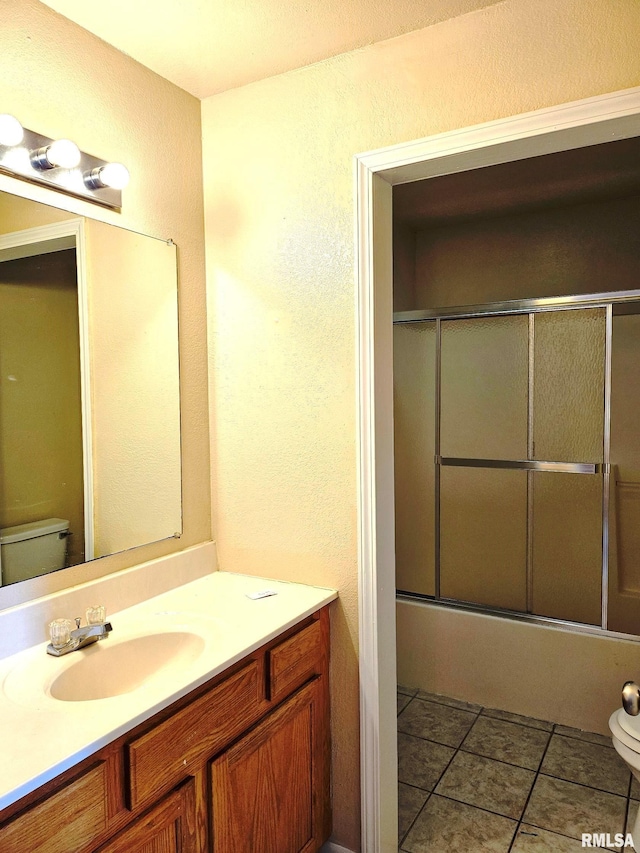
<point x="113" y="175"/>
<point x="63" y="153"/>
<point x="11" y="131"/>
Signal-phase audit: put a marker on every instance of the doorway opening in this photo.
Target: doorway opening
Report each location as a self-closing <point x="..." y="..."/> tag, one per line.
<point x="569" y="127"/>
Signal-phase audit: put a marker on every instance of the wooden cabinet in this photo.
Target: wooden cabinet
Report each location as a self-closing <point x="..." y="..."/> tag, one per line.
<point x="267" y="789"/>
<point x="241" y="765"/>
<point x="62" y="821"/>
<point x="169" y="827"/>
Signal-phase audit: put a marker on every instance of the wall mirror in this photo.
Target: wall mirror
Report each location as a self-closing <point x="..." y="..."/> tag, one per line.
<point x="90" y="459"/>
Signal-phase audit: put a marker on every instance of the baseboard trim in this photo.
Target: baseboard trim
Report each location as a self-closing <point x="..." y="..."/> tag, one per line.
<point x="331" y="847"/>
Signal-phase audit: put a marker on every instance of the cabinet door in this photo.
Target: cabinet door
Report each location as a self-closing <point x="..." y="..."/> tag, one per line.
<point x="270" y="789"/>
<point x="64" y="822"/>
<point x="167" y="828"/>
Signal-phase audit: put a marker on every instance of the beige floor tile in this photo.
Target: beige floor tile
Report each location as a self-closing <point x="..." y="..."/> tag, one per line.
<point x="421" y="762"/>
<point x="590" y="737"/>
<point x="635" y="789"/>
<point x="410" y="801"/>
<point x="408" y="691"/>
<point x="586" y="763"/>
<point x="487" y="784"/>
<point x="571" y="809"/>
<point x="531" y="839"/>
<point x="443" y="826"/>
<point x="403" y="700"/>
<point x="517" y="718"/>
<point x="452" y="703"/>
<point x="435" y="722"/>
<point x="507" y="741"/>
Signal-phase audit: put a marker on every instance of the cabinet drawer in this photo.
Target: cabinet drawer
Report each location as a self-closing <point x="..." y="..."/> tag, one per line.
<point x="163" y="756"/>
<point x="295" y="660"/>
<point x="169" y="827"/>
<point x="63" y="823"/>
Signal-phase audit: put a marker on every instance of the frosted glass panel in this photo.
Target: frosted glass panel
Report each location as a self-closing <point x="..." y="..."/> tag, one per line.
<point x="624" y="515"/>
<point x="414" y="348"/>
<point x="567" y="546"/>
<point x="484" y="387"/>
<point x="483" y="536"/>
<point x="568" y="402"/>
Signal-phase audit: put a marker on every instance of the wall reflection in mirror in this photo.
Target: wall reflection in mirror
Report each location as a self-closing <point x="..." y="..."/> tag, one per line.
<point x="89" y="390"/>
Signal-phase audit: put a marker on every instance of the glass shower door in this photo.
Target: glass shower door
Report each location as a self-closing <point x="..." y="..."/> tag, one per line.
<point x="501" y="461"/>
<point x="414" y="357"/>
<point x="483" y="423"/>
<point x="521" y="462"/>
<point x="568" y="427"/>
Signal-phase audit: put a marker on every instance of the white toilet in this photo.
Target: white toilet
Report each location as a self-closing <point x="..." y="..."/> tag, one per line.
<point x="625" y="730"/>
<point x="30" y="550"/>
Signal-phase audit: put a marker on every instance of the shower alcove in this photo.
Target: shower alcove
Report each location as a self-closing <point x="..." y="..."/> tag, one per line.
<point x="517" y="389"/>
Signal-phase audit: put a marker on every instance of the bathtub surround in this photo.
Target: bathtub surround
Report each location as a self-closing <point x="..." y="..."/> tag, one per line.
<point x="526" y="669"/>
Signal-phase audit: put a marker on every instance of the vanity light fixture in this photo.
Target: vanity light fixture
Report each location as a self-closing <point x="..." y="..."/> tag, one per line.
<point x="11" y="131"/>
<point x="59" y="164"/>
<point x="113" y="175"/>
<point x="62" y="153"/>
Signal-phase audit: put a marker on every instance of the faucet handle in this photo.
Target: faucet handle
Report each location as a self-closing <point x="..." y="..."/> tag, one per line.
<point x="60" y="633"/>
<point x="78" y="620"/>
<point x="96" y="614"/>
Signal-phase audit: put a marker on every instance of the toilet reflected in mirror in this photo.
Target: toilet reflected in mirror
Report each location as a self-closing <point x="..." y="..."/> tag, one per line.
<point x="40" y="546"/>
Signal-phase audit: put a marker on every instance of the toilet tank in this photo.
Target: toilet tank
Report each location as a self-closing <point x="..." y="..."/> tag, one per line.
<point x="29" y="550"/>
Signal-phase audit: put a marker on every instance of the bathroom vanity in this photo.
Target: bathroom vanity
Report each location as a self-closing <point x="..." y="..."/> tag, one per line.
<point x="238" y="763"/>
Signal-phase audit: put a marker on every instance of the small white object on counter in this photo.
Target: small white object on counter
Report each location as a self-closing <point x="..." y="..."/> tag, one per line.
<point x="264" y="593"/>
<point x="45" y="736"/>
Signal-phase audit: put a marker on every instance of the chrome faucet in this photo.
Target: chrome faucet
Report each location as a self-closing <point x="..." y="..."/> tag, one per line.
<point x="64" y="641"/>
<point x="631" y="698"/>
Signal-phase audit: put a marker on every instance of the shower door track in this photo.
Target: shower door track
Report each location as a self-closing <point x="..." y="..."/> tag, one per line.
<point x="624" y="302"/>
<point x="524" y="306"/>
<point x="517" y="615"/>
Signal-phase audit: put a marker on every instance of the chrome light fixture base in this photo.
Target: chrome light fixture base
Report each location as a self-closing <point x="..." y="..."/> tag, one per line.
<point x="27" y="161"/>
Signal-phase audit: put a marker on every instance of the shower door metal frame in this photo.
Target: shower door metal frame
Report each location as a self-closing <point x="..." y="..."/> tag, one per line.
<point x="530" y="307"/>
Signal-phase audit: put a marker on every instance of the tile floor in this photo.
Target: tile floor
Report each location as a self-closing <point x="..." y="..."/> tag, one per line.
<point x="474" y="779"/>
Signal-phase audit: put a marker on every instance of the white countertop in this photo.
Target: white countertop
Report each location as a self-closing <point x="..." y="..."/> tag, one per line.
<point x="43" y="736"/>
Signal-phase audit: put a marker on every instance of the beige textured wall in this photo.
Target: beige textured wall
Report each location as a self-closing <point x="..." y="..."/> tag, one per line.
<point x="581" y="248"/>
<point x="279" y="210"/>
<point x="61" y="81"/>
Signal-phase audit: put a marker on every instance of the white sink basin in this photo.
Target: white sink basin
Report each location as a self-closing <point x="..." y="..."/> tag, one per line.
<point x="107" y="668"/>
<point x="149" y="656"/>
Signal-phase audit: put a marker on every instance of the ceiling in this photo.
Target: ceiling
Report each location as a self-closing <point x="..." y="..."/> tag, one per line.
<point x="208" y="46"/>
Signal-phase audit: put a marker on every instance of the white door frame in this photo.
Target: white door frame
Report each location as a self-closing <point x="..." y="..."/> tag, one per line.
<point x="51" y="238"/>
<point x="603" y="118"/>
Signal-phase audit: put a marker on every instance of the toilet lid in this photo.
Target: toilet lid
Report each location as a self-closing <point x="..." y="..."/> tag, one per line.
<point x="628" y="728"/>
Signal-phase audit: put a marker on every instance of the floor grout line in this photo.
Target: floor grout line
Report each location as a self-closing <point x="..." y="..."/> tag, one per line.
<point x="526" y="802"/>
<point x="538" y="772"/>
